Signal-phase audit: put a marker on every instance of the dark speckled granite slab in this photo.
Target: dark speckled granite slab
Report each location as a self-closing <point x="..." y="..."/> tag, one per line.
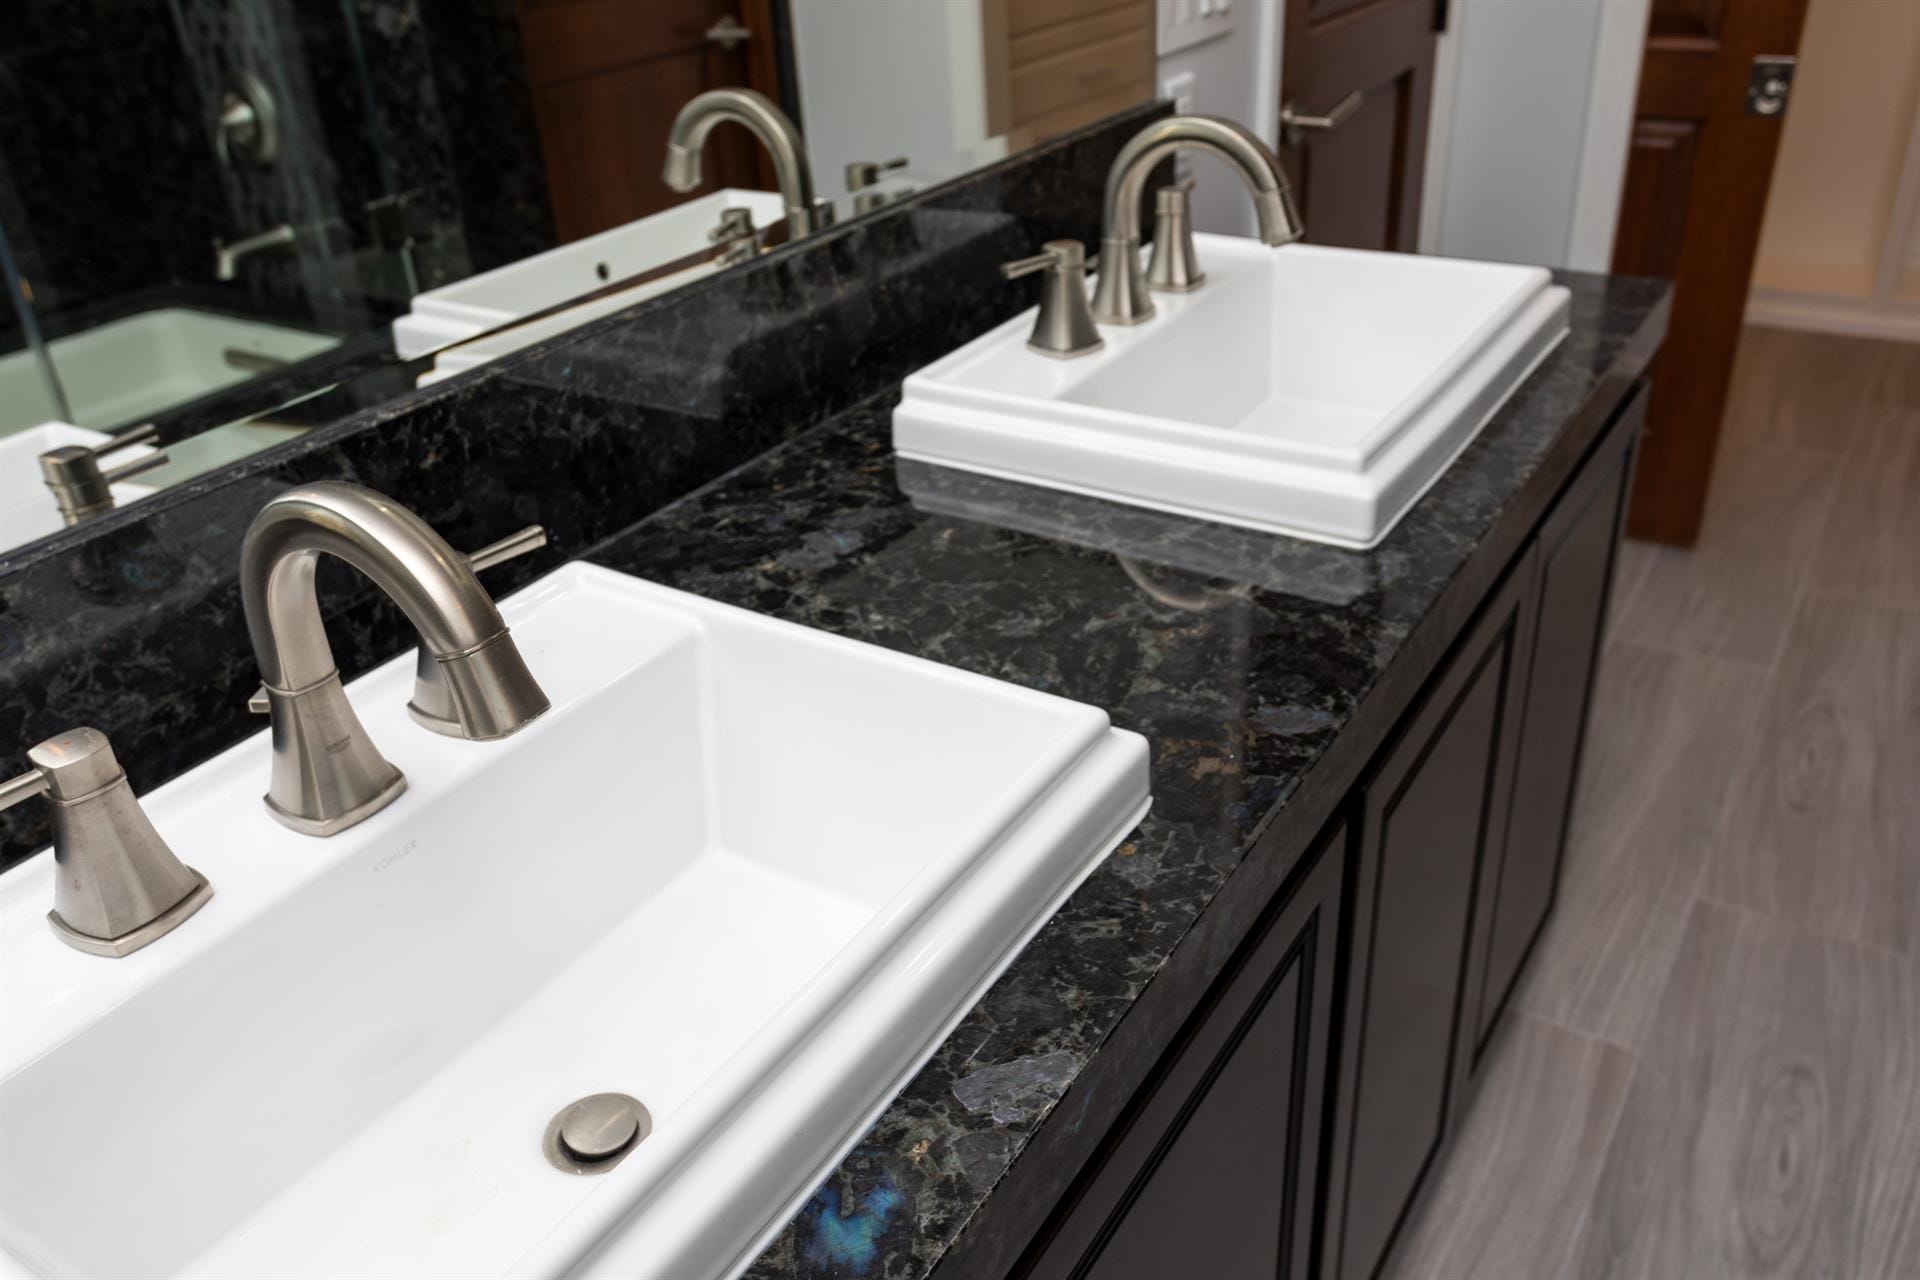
<point x="1265" y="671"/>
<point x="132" y="622"/>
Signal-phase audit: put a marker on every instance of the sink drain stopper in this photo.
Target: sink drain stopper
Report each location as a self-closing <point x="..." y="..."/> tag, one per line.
<point x="596" y="1133"/>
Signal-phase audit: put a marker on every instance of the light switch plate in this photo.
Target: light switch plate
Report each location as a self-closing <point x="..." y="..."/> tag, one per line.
<point x="1179" y="91"/>
<point x="1185" y="23"/>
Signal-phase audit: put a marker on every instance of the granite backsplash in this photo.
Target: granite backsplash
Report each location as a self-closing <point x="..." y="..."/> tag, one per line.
<point x="132" y="623"/>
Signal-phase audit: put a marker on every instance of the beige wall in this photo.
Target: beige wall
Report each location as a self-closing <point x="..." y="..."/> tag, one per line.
<point x="1844" y="149"/>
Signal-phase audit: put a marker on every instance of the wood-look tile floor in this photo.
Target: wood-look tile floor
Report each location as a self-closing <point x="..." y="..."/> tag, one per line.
<point x="1712" y="1068"/>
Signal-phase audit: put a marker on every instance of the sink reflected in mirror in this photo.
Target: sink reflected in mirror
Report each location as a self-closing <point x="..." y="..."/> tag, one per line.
<point x="354" y="191"/>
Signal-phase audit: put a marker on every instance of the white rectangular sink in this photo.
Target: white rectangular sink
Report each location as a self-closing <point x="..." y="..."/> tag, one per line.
<point x="1302" y="390"/>
<point x="745" y="872"/>
<point x="468" y="308"/>
<point x="136" y="366"/>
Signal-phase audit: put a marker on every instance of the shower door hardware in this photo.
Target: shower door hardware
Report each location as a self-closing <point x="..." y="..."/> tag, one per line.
<point x="248" y="124"/>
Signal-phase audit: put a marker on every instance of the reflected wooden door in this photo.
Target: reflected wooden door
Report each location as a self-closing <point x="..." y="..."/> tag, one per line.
<point x="1696" y="187"/>
<point x="608" y="77"/>
<point x="1358" y="182"/>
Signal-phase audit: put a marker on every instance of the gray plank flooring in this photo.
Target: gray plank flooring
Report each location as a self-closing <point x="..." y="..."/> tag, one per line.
<point x="1712" y="1068"/>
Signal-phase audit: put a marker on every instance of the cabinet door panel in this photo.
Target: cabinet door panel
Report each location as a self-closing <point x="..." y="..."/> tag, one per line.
<point x="1428" y="827"/>
<point x="1213" y="1173"/>
<point x="1576" y="567"/>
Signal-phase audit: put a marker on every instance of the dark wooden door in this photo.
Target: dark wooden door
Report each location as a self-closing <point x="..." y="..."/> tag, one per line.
<point x="608" y="77"/>
<point x="1696" y="187"/>
<point x="1358" y="183"/>
<point x="1577" y="543"/>
<point x="1213" y="1171"/>
<point x="1431" y="819"/>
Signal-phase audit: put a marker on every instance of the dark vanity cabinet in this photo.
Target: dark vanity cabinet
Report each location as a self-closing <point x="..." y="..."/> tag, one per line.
<point x="1431" y="820"/>
<point x="1289" y="1131"/>
<point x="1575" y="553"/>
<point x="1460" y="830"/>
<point x="1213" y="1170"/>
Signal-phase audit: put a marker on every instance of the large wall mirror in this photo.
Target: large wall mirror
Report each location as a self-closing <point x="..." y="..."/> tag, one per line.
<point x="219" y="217"/>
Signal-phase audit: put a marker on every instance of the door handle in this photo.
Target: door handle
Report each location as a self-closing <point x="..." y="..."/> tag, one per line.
<point x="1295" y="124"/>
<point x="729" y="33"/>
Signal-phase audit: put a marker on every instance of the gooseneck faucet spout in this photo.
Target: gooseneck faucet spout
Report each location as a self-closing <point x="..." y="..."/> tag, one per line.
<point x="1121" y="296"/>
<point x="326" y="774"/>
<point x="769" y="124"/>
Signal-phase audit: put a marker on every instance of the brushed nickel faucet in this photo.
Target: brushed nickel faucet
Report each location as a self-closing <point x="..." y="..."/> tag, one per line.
<point x="1121" y="296"/>
<point x="227" y="257"/>
<point x="117" y="886"/>
<point x="327" y="775"/>
<point x="1063" y="327"/>
<point x="81" y="487"/>
<point x="766" y="122"/>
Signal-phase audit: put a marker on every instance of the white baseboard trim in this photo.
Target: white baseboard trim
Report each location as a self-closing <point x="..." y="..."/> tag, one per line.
<point x="1825" y="313"/>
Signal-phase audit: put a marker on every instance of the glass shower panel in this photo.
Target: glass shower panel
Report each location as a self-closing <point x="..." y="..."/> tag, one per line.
<point x="194" y="179"/>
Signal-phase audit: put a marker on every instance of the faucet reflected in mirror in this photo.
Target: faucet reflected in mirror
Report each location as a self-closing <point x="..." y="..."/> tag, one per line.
<point x="339" y="207"/>
<point x="771" y="127"/>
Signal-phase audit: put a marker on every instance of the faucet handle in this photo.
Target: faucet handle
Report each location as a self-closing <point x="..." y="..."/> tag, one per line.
<point x="1064" y="326"/>
<point x="735" y="235"/>
<point x="514" y="545"/>
<point x="1173" y="266"/>
<point x="81" y="486"/>
<point x="117" y="886"/>
<point x="1066" y="254"/>
<point x="511" y="547"/>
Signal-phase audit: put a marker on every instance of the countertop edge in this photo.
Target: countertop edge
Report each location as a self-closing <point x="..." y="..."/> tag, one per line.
<point x="1019" y="1204"/>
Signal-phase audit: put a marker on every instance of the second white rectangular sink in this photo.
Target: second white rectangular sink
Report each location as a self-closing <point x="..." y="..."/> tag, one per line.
<point x="1302" y="390"/>
<point x="747" y="873"/>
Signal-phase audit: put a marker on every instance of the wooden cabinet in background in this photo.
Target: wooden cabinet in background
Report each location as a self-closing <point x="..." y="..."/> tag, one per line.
<point x="1055" y="65"/>
<point x="1358" y="184"/>
<point x="608" y="77"/>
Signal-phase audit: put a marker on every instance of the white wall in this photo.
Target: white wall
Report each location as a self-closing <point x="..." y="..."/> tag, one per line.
<point x="1533" y="110"/>
<point x="1238" y="76"/>
<point x="886" y="78"/>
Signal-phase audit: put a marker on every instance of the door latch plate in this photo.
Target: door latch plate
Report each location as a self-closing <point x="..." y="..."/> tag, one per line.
<point x="1769" y="85"/>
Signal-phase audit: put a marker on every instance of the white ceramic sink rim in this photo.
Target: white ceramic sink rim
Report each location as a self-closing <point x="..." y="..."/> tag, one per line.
<point x="1090" y="792"/>
<point x="1342" y="468"/>
<point x="468" y="308"/>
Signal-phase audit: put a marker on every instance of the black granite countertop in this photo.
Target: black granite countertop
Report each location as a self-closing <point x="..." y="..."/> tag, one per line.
<point x="1265" y="671"/>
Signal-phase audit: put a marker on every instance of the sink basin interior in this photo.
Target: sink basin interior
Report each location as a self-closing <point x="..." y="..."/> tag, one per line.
<point x="1302" y="390"/>
<point x="1319" y="361"/>
<point x="659" y="888"/>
